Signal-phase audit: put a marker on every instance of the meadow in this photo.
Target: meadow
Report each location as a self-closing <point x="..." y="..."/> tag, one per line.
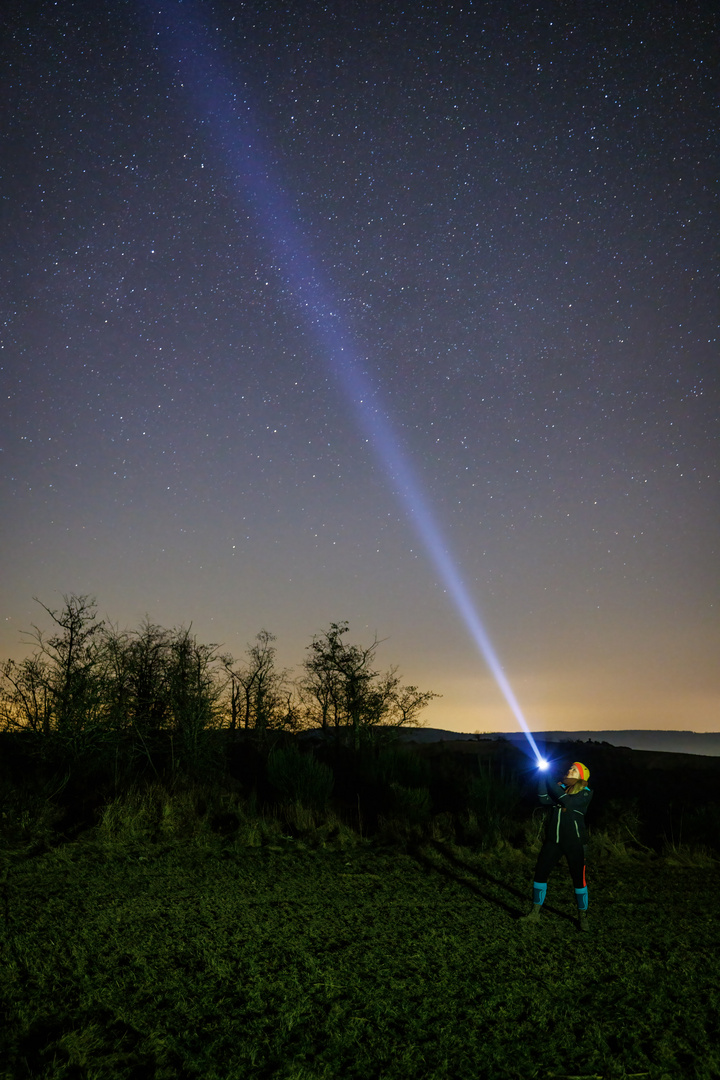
<point x="209" y="870"/>
<point x="264" y="954"/>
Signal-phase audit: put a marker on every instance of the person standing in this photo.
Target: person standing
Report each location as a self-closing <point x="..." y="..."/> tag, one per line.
<point x="565" y="834"/>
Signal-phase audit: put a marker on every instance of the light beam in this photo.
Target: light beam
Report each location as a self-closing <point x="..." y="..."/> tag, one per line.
<point x="186" y="39"/>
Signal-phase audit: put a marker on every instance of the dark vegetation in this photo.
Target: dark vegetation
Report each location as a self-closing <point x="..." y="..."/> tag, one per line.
<point x="208" y="870"/>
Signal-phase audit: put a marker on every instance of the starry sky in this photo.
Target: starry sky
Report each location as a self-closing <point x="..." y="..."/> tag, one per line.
<point x="305" y="303"/>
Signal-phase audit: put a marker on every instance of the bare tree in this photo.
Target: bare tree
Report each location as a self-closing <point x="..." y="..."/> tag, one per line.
<point x="73" y="660"/>
<point x="26" y="700"/>
<point x="193" y="683"/>
<point x="137" y="665"/>
<point x="407" y="702"/>
<point x="343" y="690"/>
<point x="260" y="695"/>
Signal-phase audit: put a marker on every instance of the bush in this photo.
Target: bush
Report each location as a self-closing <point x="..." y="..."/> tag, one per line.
<point x="392" y="764"/>
<point x="698" y="827"/>
<point x="410" y="804"/>
<point x="492" y="802"/>
<point x="29" y="821"/>
<point x="299" y="778"/>
<point x="619" y="831"/>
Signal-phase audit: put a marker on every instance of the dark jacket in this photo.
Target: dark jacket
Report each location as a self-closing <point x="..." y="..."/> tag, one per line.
<point x="566" y="819"/>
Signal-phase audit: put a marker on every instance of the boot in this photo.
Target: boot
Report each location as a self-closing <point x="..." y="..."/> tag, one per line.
<point x="532" y="917"/>
<point x="583" y="921"/>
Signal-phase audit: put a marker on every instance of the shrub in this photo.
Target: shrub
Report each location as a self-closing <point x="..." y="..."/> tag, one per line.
<point x="492" y="801"/>
<point x="442" y="829"/>
<point x="299" y="778"/>
<point x="410" y="804"/>
<point x="698" y="827"/>
<point x="395" y="765"/>
<point x="619" y="831"/>
<point x="28" y="820"/>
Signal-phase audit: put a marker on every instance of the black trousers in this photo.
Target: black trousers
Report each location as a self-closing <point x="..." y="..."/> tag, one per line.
<point x="551" y="854"/>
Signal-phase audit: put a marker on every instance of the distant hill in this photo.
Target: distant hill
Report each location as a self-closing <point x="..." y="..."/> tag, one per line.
<point x="705" y="744"/>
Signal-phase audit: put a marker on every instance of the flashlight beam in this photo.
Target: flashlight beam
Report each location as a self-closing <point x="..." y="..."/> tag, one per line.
<point x="188" y="43"/>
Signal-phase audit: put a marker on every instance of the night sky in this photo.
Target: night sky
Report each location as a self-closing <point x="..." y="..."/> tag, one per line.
<point x="286" y="285"/>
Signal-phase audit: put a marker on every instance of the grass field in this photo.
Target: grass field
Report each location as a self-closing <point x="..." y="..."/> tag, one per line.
<point x="216" y="961"/>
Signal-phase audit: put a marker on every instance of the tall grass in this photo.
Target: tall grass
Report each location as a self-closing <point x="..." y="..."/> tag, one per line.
<point x="153" y="813"/>
<point x="158" y="814"/>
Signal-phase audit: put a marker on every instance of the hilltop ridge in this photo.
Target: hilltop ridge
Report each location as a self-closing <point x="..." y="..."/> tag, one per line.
<point x="703" y="743"/>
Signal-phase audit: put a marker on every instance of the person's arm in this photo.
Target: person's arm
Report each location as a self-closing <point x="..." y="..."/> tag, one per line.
<point x="548" y="794"/>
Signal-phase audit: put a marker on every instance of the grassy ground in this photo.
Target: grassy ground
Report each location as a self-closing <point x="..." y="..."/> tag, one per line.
<point x="224" y="962"/>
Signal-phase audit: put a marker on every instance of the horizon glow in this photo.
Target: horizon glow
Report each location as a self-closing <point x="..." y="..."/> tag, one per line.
<point x="185" y="38"/>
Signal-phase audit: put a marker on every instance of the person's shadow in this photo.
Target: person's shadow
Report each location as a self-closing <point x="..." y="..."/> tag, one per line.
<point x="481" y="882"/>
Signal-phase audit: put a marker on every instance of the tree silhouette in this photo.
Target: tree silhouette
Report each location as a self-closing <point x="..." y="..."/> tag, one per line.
<point x="342" y="689"/>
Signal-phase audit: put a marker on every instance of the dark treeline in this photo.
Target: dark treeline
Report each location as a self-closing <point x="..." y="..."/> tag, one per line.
<point x="96" y="712"/>
<point x="88" y="683"/>
<point x="150" y="734"/>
